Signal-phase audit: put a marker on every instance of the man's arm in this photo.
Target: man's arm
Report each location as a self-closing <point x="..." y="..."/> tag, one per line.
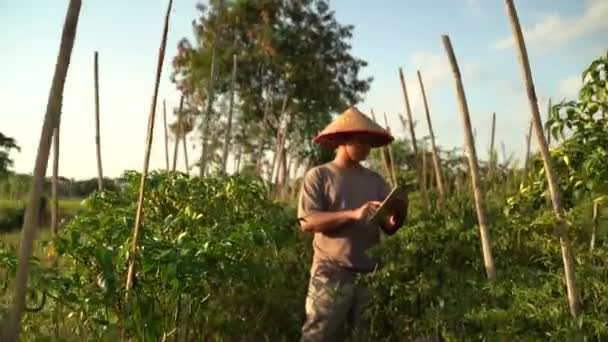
<point x="324" y="222"/>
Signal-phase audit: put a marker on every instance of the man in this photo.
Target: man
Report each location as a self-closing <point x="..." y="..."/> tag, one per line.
<point x="335" y="201"/>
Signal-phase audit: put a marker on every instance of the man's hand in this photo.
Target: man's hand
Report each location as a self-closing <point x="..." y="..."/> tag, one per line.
<point x="367" y="209"/>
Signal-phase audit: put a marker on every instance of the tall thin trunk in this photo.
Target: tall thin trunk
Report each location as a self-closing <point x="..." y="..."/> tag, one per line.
<point x="549" y="118"/>
<point x="207" y="120"/>
<point x="150" y="134"/>
<point x="596" y="224"/>
<point x="424" y="166"/>
<point x="166" y="135"/>
<point x="279" y="140"/>
<point x="417" y="157"/>
<point x="567" y="253"/>
<point x="54" y="190"/>
<point x="390" y="155"/>
<point x="382" y="153"/>
<point x="229" y="128"/>
<point x="527" y="156"/>
<point x="185" y="144"/>
<point x="260" y="153"/>
<point x="11" y="327"/>
<point x="179" y="132"/>
<point x="473" y="164"/>
<point x="436" y="161"/>
<point x="492" y="157"/>
<point x="237" y="161"/>
<point x="97" y="134"/>
<point x="504" y="153"/>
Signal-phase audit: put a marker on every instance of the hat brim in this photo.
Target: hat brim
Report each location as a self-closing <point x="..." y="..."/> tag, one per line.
<point x="333" y="140"/>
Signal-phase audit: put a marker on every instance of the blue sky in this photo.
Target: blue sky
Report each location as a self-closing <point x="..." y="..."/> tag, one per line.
<point x="563" y="36"/>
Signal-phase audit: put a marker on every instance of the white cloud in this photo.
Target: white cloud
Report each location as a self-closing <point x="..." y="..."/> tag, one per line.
<point x="555" y="30"/>
<point x="569" y="87"/>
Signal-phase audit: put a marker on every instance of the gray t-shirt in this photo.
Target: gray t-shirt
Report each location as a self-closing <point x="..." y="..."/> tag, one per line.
<point x="329" y="187"/>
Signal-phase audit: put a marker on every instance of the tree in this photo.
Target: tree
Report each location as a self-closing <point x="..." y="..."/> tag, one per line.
<point x="6" y="145"/>
<point x="285" y="48"/>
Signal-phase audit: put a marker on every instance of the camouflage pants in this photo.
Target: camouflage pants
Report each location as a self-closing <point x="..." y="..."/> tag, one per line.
<point x="334" y="305"/>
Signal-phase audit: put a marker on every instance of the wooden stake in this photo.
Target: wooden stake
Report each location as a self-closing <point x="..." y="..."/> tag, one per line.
<point x="473" y="165"/>
<point x="567" y="254"/>
<point x="185" y="144"/>
<point x="207" y="119"/>
<point x="166" y="135"/>
<point x="279" y="138"/>
<point x="527" y="156"/>
<point x="180" y="132"/>
<point x="140" y="200"/>
<point x="424" y="165"/>
<point x="54" y="190"/>
<point x="390" y="155"/>
<point x="97" y="135"/>
<point x="492" y="157"/>
<point x="410" y="121"/>
<point x="267" y="108"/>
<point x="382" y="154"/>
<point x="596" y="224"/>
<point x="549" y="118"/>
<point x="229" y="128"/>
<point x="237" y="161"/>
<point x="12" y="325"/>
<point x="436" y="161"/>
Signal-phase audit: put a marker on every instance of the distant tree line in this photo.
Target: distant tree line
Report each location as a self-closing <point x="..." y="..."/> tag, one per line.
<point x="16" y="186"/>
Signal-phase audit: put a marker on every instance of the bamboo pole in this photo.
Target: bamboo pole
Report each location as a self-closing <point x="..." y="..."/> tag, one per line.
<point x="473" y="164"/>
<point x="55" y="186"/>
<point x="237" y="161"/>
<point x="150" y="134"/>
<point x="390" y="154"/>
<point x="166" y="135"/>
<point x="275" y="158"/>
<point x="12" y="325"/>
<point x="382" y="154"/>
<point x="492" y="156"/>
<point x="267" y="107"/>
<point x="527" y="156"/>
<point x="567" y="254"/>
<point x="229" y="128"/>
<point x="185" y="144"/>
<point x="436" y="161"/>
<point x="179" y="132"/>
<point x="549" y="118"/>
<point x="596" y="224"/>
<point x="417" y="157"/>
<point x="207" y="120"/>
<point x="424" y="166"/>
<point x="97" y="134"/>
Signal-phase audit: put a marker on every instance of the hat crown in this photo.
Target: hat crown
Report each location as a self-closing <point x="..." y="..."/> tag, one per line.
<point x="353" y="120"/>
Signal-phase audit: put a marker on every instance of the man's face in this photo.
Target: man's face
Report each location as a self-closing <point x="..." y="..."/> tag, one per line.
<point x="358" y="148"/>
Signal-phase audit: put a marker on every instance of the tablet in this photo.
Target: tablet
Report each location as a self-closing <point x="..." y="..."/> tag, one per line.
<point x="397" y="194"/>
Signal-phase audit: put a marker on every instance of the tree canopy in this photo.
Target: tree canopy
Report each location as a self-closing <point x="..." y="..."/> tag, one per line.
<point x="294" y="49"/>
<point x="6" y="145"/>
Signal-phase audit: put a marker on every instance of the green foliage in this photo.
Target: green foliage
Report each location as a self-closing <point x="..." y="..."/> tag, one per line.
<point x="6" y="145"/>
<point x="216" y="249"/>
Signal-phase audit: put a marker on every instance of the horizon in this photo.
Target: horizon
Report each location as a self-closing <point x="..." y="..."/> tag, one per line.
<point x="562" y="38"/>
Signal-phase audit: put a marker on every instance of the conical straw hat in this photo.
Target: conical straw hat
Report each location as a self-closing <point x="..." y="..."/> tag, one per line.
<point x="352" y="121"/>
